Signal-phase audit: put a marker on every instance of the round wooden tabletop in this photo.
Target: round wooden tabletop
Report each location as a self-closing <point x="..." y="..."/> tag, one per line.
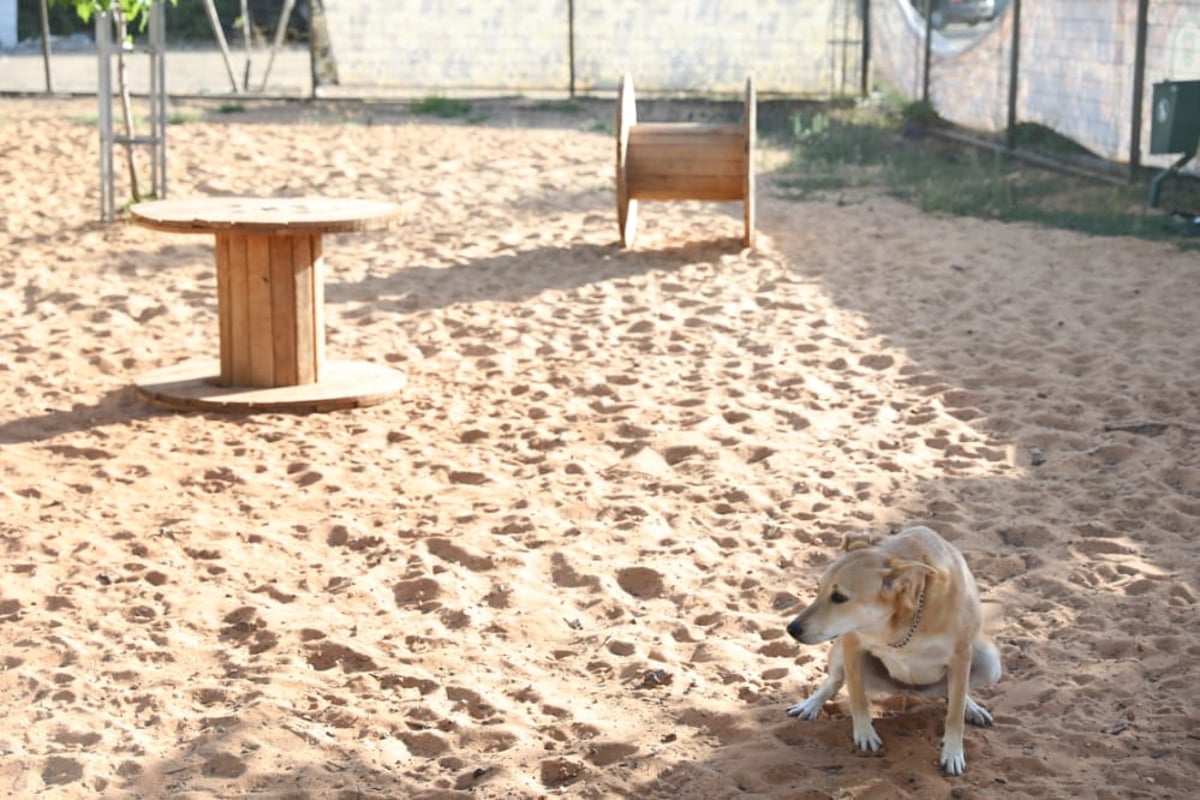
<point x="273" y="216"/>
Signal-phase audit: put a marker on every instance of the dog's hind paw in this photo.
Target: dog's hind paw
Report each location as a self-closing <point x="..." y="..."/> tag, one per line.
<point x="809" y="709"/>
<point x="977" y="714"/>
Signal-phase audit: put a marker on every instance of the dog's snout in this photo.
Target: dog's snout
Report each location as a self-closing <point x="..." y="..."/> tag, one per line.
<point x="795" y="629"/>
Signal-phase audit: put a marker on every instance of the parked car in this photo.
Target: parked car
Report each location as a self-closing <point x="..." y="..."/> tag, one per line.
<point x="970" y="12"/>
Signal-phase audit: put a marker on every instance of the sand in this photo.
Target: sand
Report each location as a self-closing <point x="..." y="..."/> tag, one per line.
<point x="561" y="562"/>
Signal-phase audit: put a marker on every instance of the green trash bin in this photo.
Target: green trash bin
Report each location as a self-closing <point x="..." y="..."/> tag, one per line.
<point x="1174" y="127"/>
<point x="1175" y="117"/>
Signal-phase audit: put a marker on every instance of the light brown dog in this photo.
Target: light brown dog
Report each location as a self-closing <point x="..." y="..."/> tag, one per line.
<point x="907" y="617"/>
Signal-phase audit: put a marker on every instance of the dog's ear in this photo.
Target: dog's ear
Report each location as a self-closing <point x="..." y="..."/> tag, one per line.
<point x="899" y="573"/>
<point x="856" y="541"/>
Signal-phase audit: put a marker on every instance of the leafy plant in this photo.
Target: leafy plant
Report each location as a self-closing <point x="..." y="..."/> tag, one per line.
<point x="134" y="12"/>
<point x="921" y="112"/>
<point x="439" y="106"/>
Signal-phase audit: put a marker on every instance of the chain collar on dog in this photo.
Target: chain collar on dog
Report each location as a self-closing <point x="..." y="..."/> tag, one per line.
<point x="912" y="628"/>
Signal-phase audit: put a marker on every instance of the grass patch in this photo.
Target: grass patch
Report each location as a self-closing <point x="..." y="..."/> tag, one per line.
<point x="892" y="150"/>
<point x="184" y="117"/>
<point x="142" y="123"/>
<point x="231" y="108"/>
<point x="439" y="106"/>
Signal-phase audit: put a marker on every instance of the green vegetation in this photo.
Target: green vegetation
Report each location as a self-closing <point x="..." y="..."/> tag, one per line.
<point x="184" y="117"/>
<point x="174" y="118"/>
<point x="896" y="150"/>
<point x="439" y="106"/>
<point x="136" y="12"/>
<point x="185" y="22"/>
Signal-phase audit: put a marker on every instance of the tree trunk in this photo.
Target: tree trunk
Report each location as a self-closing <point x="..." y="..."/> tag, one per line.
<point x="126" y="101"/>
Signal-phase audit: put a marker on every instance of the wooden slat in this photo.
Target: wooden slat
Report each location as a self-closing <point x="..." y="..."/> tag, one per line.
<point x="317" y="257"/>
<point x="307" y="302"/>
<point x="283" y="311"/>
<point x="646" y="169"/>
<point x="224" y="307"/>
<point x="239" y="314"/>
<point x="258" y="300"/>
<point x="716" y="181"/>
<point x="697" y="189"/>
<point x="750" y="123"/>
<point x="673" y="134"/>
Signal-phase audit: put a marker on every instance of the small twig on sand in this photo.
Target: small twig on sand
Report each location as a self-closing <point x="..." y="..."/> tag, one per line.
<point x="1148" y="427"/>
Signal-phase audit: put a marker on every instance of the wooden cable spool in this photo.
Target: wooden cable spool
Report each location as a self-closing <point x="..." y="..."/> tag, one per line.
<point x="682" y="161"/>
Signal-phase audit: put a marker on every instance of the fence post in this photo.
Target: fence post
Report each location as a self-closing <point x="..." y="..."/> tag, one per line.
<point x="1014" y="70"/>
<point x="928" y="51"/>
<point x="571" y="44"/>
<point x="1139" y="89"/>
<point x="44" y="26"/>
<point x="864" y="88"/>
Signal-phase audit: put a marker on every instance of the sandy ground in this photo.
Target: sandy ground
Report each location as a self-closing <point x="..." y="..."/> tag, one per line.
<point x="561" y="563"/>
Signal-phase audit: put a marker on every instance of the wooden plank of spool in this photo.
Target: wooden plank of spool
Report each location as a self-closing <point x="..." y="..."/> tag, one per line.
<point x="224" y="308"/>
<point x="260" y="330"/>
<point x="286" y="321"/>
<point x="682" y="161"/>
<point x="237" y="313"/>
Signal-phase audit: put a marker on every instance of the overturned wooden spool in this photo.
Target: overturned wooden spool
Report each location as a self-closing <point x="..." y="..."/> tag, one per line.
<point x="682" y="161"/>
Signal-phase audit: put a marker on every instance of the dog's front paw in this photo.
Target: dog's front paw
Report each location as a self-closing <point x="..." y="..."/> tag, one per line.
<point x="977" y="714"/>
<point x="809" y="709"/>
<point x="867" y="739"/>
<point x="953" y="761"/>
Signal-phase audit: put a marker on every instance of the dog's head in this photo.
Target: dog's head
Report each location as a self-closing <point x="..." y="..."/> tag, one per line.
<point x="863" y="589"/>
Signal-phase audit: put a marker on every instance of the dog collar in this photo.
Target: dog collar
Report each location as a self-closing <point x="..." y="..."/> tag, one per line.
<point x="912" y="628"/>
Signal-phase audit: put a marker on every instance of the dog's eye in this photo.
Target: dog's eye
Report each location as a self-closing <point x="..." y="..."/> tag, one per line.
<point x="838" y="597"/>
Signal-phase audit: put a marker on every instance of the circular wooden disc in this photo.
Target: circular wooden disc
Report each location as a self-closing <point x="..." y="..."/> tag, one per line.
<point x="751" y="121"/>
<point x="264" y="215"/>
<point x="193" y="386"/>
<point x="626" y="119"/>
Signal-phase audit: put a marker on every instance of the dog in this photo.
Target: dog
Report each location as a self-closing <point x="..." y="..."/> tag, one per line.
<point x="906" y="617"/>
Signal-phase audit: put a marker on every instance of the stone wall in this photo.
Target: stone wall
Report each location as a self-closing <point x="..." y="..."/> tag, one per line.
<point x="434" y="45"/>
<point x="1076" y="71"/>
<point x="703" y="46"/>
